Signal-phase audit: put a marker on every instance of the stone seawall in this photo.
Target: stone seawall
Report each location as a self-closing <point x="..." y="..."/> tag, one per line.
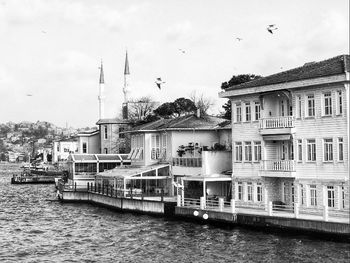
<point x="340" y="230"/>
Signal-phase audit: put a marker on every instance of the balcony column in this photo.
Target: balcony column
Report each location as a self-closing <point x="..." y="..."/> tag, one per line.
<point x="235" y="195"/>
<point x="307" y="195"/>
<point x="340" y="198"/>
<point x="245" y="193"/>
<point x="204" y="190"/>
<point x="182" y="192"/>
<point x="324" y="195"/>
<point x="254" y="192"/>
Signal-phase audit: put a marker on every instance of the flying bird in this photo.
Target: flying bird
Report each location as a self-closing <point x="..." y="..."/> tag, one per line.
<point x="182" y="51"/>
<point x="159" y="83"/>
<point x="42" y="31"/>
<point x="271" y="28"/>
<point x="239" y="39"/>
<point x="29" y="95"/>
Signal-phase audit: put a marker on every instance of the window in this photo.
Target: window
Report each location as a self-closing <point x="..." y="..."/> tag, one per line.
<point x="342" y="197"/>
<point x="105" y="132"/>
<point x="330" y="196"/>
<point x="155" y="147"/>
<point x="327" y="107"/>
<point x="84" y="147"/>
<point x="292" y="192"/>
<point x="121" y="135"/>
<point x="340" y="149"/>
<point x="328" y="150"/>
<point x="105" y="150"/>
<point x="259" y="192"/>
<point x="257" y="151"/>
<point x="240" y="191"/>
<point x="300" y="150"/>
<point x="298" y="106"/>
<point x="310" y="105"/>
<point x="282" y="108"/>
<point x="58" y="147"/>
<point x="302" y="195"/>
<point x="339" y="102"/>
<point x="247" y="151"/>
<point x="248" y="113"/>
<point x="257" y="110"/>
<point x="313" y="195"/>
<point x="164" y="145"/>
<point x="250" y="191"/>
<point x="285" y="192"/>
<point x="238" y="112"/>
<point x="311" y="150"/>
<point x="238" y="152"/>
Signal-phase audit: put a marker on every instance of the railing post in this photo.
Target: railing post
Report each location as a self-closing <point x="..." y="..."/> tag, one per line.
<point x="162" y="195"/>
<point x="296" y="210"/>
<point x="202" y="202"/>
<point x="233" y="206"/>
<point x="325" y="212"/>
<point x="75" y="186"/>
<point x="88" y="186"/>
<point x="95" y="186"/>
<point x="221" y="204"/>
<point x="269" y="209"/>
<point x="179" y="200"/>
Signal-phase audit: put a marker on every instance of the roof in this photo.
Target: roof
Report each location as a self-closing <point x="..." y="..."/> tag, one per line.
<point x="126" y="69"/>
<point x="133" y="171"/>
<point x="333" y="66"/>
<point x="88" y="133"/>
<point x="181" y="123"/>
<point x="112" y="121"/>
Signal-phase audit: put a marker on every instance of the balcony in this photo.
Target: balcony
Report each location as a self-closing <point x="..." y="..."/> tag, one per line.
<point x="277" y="125"/>
<point x="277" y="168"/>
<point x="187" y="162"/>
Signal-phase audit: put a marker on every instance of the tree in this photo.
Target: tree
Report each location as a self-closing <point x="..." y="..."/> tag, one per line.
<point x="239" y="79"/>
<point x="228" y="109"/>
<point x="165" y="110"/>
<point x="184" y="106"/>
<point x="235" y="80"/>
<point x="139" y="109"/>
<point x="201" y="103"/>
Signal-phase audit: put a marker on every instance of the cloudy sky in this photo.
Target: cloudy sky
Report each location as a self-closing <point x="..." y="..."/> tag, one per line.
<point x="51" y="49"/>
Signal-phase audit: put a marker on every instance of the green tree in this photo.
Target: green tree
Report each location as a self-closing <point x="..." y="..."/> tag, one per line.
<point x="239" y="79"/>
<point x="165" y="110"/>
<point x="184" y="106"/>
<point x="235" y="80"/>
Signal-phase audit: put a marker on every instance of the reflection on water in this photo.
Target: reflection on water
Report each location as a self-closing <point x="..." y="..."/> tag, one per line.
<point x="36" y="228"/>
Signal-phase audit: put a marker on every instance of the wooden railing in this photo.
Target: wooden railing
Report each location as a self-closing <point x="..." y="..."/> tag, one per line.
<point x="277" y="165"/>
<point x="277" y="122"/>
<point x="187" y="162"/>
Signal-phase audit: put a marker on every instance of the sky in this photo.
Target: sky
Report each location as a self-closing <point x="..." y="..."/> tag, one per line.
<point x="52" y="50"/>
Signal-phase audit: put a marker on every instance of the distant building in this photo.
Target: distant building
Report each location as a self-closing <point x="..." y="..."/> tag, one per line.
<point x="89" y="142"/>
<point x="61" y="149"/>
<point x="112" y="136"/>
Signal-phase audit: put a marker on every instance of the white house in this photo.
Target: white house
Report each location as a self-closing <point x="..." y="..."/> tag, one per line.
<point x="290" y="136"/>
<point x="62" y="149"/>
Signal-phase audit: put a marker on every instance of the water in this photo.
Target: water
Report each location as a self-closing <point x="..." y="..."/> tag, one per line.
<point x="33" y="228"/>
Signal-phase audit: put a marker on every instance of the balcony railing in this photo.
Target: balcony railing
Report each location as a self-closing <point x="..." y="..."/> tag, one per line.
<point x="277" y="165"/>
<point x="277" y="122"/>
<point x="187" y="162"/>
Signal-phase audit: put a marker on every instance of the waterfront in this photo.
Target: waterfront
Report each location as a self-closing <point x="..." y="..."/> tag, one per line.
<point x="36" y="228"/>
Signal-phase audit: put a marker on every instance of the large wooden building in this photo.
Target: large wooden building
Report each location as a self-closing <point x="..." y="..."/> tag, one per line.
<point x="290" y="136"/>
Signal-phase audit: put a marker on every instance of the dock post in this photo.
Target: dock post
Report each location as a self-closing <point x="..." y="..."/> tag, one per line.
<point x="75" y="186"/>
<point x="221" y="204"/>
<point x="103" y="189"/>
<point x="233" y="206"/>
<point x="296" y="210"/>
<point x="325" y="212"/>
<point x="202" y="202"/>
<point x="95" y="187"/>
<point x="178" y="200"/>
<point x="162" y="195"/>
<point x="269" y="208"/>
<point x="88" y="184"/>
<point x="107" y="186"/>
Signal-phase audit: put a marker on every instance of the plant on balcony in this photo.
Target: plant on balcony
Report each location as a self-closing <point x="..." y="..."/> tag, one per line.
<point x="181" y="150"/>
<point x="218" y="147"/>
<point x="189" y="148"/>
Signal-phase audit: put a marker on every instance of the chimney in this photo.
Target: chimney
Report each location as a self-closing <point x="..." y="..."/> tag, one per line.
<point x="198" y="113"/>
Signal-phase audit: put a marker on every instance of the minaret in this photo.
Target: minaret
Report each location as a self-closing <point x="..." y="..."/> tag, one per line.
<point x="126" y="78"/>
<point x="101" y="97"/>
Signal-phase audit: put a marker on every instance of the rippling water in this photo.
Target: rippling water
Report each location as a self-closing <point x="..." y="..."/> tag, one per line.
<point x="33" y="228"/>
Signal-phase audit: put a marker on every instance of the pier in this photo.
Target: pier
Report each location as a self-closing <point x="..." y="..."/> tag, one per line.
<point x="172" y="207"/>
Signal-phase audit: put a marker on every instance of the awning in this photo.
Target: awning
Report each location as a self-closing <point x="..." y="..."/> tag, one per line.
<point x="283" y="137"/>
<point x="212" y="178"/>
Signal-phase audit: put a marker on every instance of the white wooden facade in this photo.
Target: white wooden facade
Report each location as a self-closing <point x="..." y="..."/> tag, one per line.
<point x="290" y="142"/>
